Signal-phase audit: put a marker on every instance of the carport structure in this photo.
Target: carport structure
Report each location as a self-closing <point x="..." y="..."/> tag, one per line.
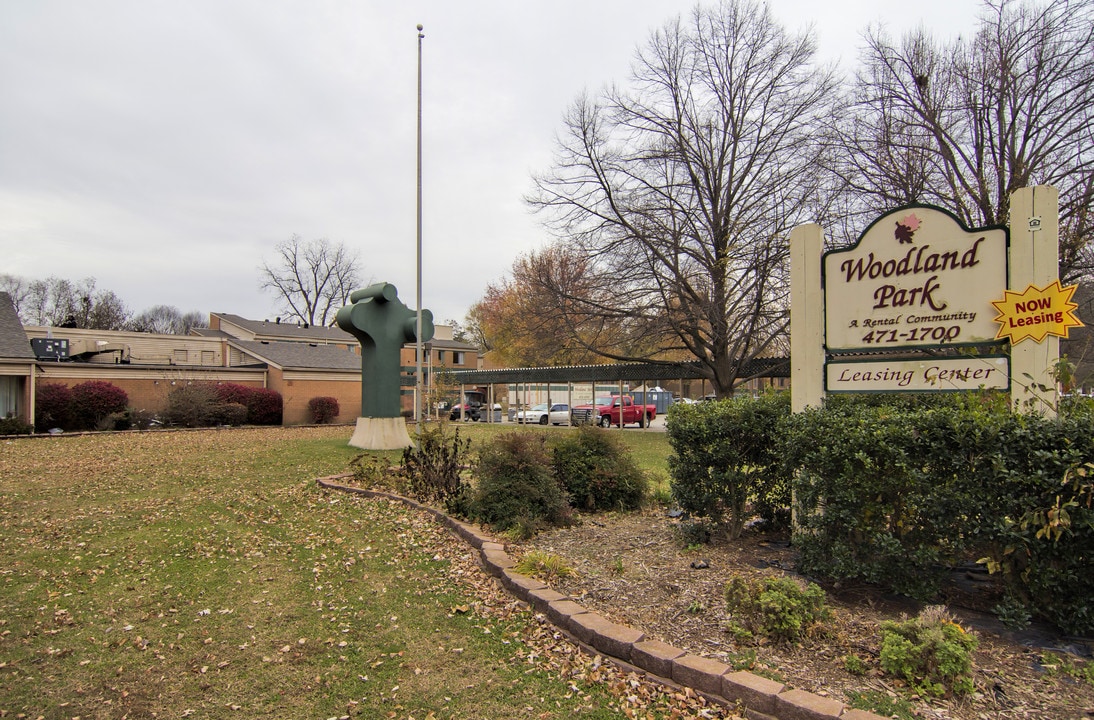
<point x="618" y="373"/>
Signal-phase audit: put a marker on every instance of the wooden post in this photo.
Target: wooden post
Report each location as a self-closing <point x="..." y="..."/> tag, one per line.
<point x="806" y="318"/>
<point x="1034" y="259"/>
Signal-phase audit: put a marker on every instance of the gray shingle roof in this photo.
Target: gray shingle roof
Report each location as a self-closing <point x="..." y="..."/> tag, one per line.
<point x="289" y="331"/>
<point x="300" y="355"/>
<point x="298" y="333"/>
<point x="13" y="341"/>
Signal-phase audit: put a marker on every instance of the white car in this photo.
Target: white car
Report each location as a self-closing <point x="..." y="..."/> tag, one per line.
<point x="558" y="414"/>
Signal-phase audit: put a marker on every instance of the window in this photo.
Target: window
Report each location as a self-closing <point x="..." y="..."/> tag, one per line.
<point x="457" y="358"/>
<point x="208" y="357"/>
<point x="11" y="395"/>
<point x="180" y="356"/>
<point x="440" y="357"/>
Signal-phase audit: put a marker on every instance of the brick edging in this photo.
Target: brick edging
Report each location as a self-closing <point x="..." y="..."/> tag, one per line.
<point x="760" y="698"/>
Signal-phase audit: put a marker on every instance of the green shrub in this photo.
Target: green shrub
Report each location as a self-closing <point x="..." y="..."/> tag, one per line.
<point x="876" y="498"/>
<point x="597" y="471"/>
<point x="1012" y="612"/>
<point x="323" y="410"/>
<point x="94" y="401"/>
<point x="693" y="533"/>
<point x="113" y="421"/>
<point x="930" y="652"/>
<point x="725" y="454"/>
<point x="855" y="665"/>
<point x="434" y="468"/>
<point x="52" y="407"/>
<point x="516" y="490"/>
<point x="894" y="493"/>
<point x="1044" y="554"/>
<point x="14" y="426"/>
<point x="779" y="608"/>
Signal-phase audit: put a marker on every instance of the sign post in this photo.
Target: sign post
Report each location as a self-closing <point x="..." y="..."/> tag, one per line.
<point x="806" y="318"/>
<point x="1035" y="257"/>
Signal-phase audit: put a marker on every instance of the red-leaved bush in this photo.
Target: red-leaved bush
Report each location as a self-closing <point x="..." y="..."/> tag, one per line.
<point x="52" y="407"/>
<point x="234" y="393"/>
<point x="264" y="407"/>
<point x="323" y="409"/>
<point x="94" y="400"/>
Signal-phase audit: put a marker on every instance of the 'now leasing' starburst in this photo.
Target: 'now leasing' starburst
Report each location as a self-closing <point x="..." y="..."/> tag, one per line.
<point x="1036" y="313"/>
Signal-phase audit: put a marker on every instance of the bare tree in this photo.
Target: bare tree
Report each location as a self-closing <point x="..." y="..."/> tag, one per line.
<point x="17" y="288"/>
<point x="312" y="278"/>
<point x="680" y="190"/>
<point x="963" y="125"/>
<point x="168" y="320"/>
<point x="62" y="303"/>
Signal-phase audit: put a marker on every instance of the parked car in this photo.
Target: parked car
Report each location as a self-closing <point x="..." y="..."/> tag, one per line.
<point x="471" y="408"/>
<point x="608" y="411"/>
<point x="469" y="412"/>
<point x="558" y="414"/>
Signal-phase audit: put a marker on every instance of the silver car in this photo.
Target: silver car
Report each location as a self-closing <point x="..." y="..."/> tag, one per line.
<point x="557" y="414"/>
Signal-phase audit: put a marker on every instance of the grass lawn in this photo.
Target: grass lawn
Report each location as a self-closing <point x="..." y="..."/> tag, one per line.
<point x="204" y="574"/>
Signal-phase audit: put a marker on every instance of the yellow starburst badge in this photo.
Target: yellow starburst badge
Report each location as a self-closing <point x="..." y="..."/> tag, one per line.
<point x="1036" y="313"/>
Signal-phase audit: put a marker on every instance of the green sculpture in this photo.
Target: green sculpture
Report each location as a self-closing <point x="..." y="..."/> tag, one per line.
<point x="382" y="324"/>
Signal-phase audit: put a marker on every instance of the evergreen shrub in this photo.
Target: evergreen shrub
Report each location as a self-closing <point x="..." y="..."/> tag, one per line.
<point x="897" y="493"/>
<point x="779" y="608"/>
<point x="726" y="454"/>
<point x="596" y="470"/>
<point x="930" y="652"/>
<point x="516" y="490"/>
<point x="228" y="413"/>
<point x="14" y="426"/>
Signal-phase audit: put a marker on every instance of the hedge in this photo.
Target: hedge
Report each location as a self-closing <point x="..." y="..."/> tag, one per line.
<point x="896" y="491"/>
<point x="725" y="455"/>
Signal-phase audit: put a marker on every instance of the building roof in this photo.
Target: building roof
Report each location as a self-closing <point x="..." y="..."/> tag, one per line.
<point x="287" y="330"/>
<point x="298" y="355"/>
<point x="292" y="332"/>
<point x="13" y="341"/>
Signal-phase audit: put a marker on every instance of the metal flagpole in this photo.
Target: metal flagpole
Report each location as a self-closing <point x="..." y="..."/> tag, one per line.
<point x="418" y="385"/>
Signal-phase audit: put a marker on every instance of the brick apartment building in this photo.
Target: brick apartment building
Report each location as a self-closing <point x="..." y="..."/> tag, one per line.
<point x="297" y="361"/>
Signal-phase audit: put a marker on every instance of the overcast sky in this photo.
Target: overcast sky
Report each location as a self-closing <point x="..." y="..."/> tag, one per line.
<point x="164" y="148"/>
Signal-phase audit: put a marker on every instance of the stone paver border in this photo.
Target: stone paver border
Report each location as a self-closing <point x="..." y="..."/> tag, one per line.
<point x="758" y="697"/>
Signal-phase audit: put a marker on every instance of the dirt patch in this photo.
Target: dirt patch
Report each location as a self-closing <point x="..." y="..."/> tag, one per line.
<point x="635" y="570"/>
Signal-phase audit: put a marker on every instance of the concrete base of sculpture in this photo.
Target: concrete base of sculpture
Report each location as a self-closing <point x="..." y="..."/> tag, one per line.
<point x="386" y="433"/>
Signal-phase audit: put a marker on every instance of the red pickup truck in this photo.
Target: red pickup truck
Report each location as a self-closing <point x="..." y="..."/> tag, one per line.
<point x="606" y="411"/>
